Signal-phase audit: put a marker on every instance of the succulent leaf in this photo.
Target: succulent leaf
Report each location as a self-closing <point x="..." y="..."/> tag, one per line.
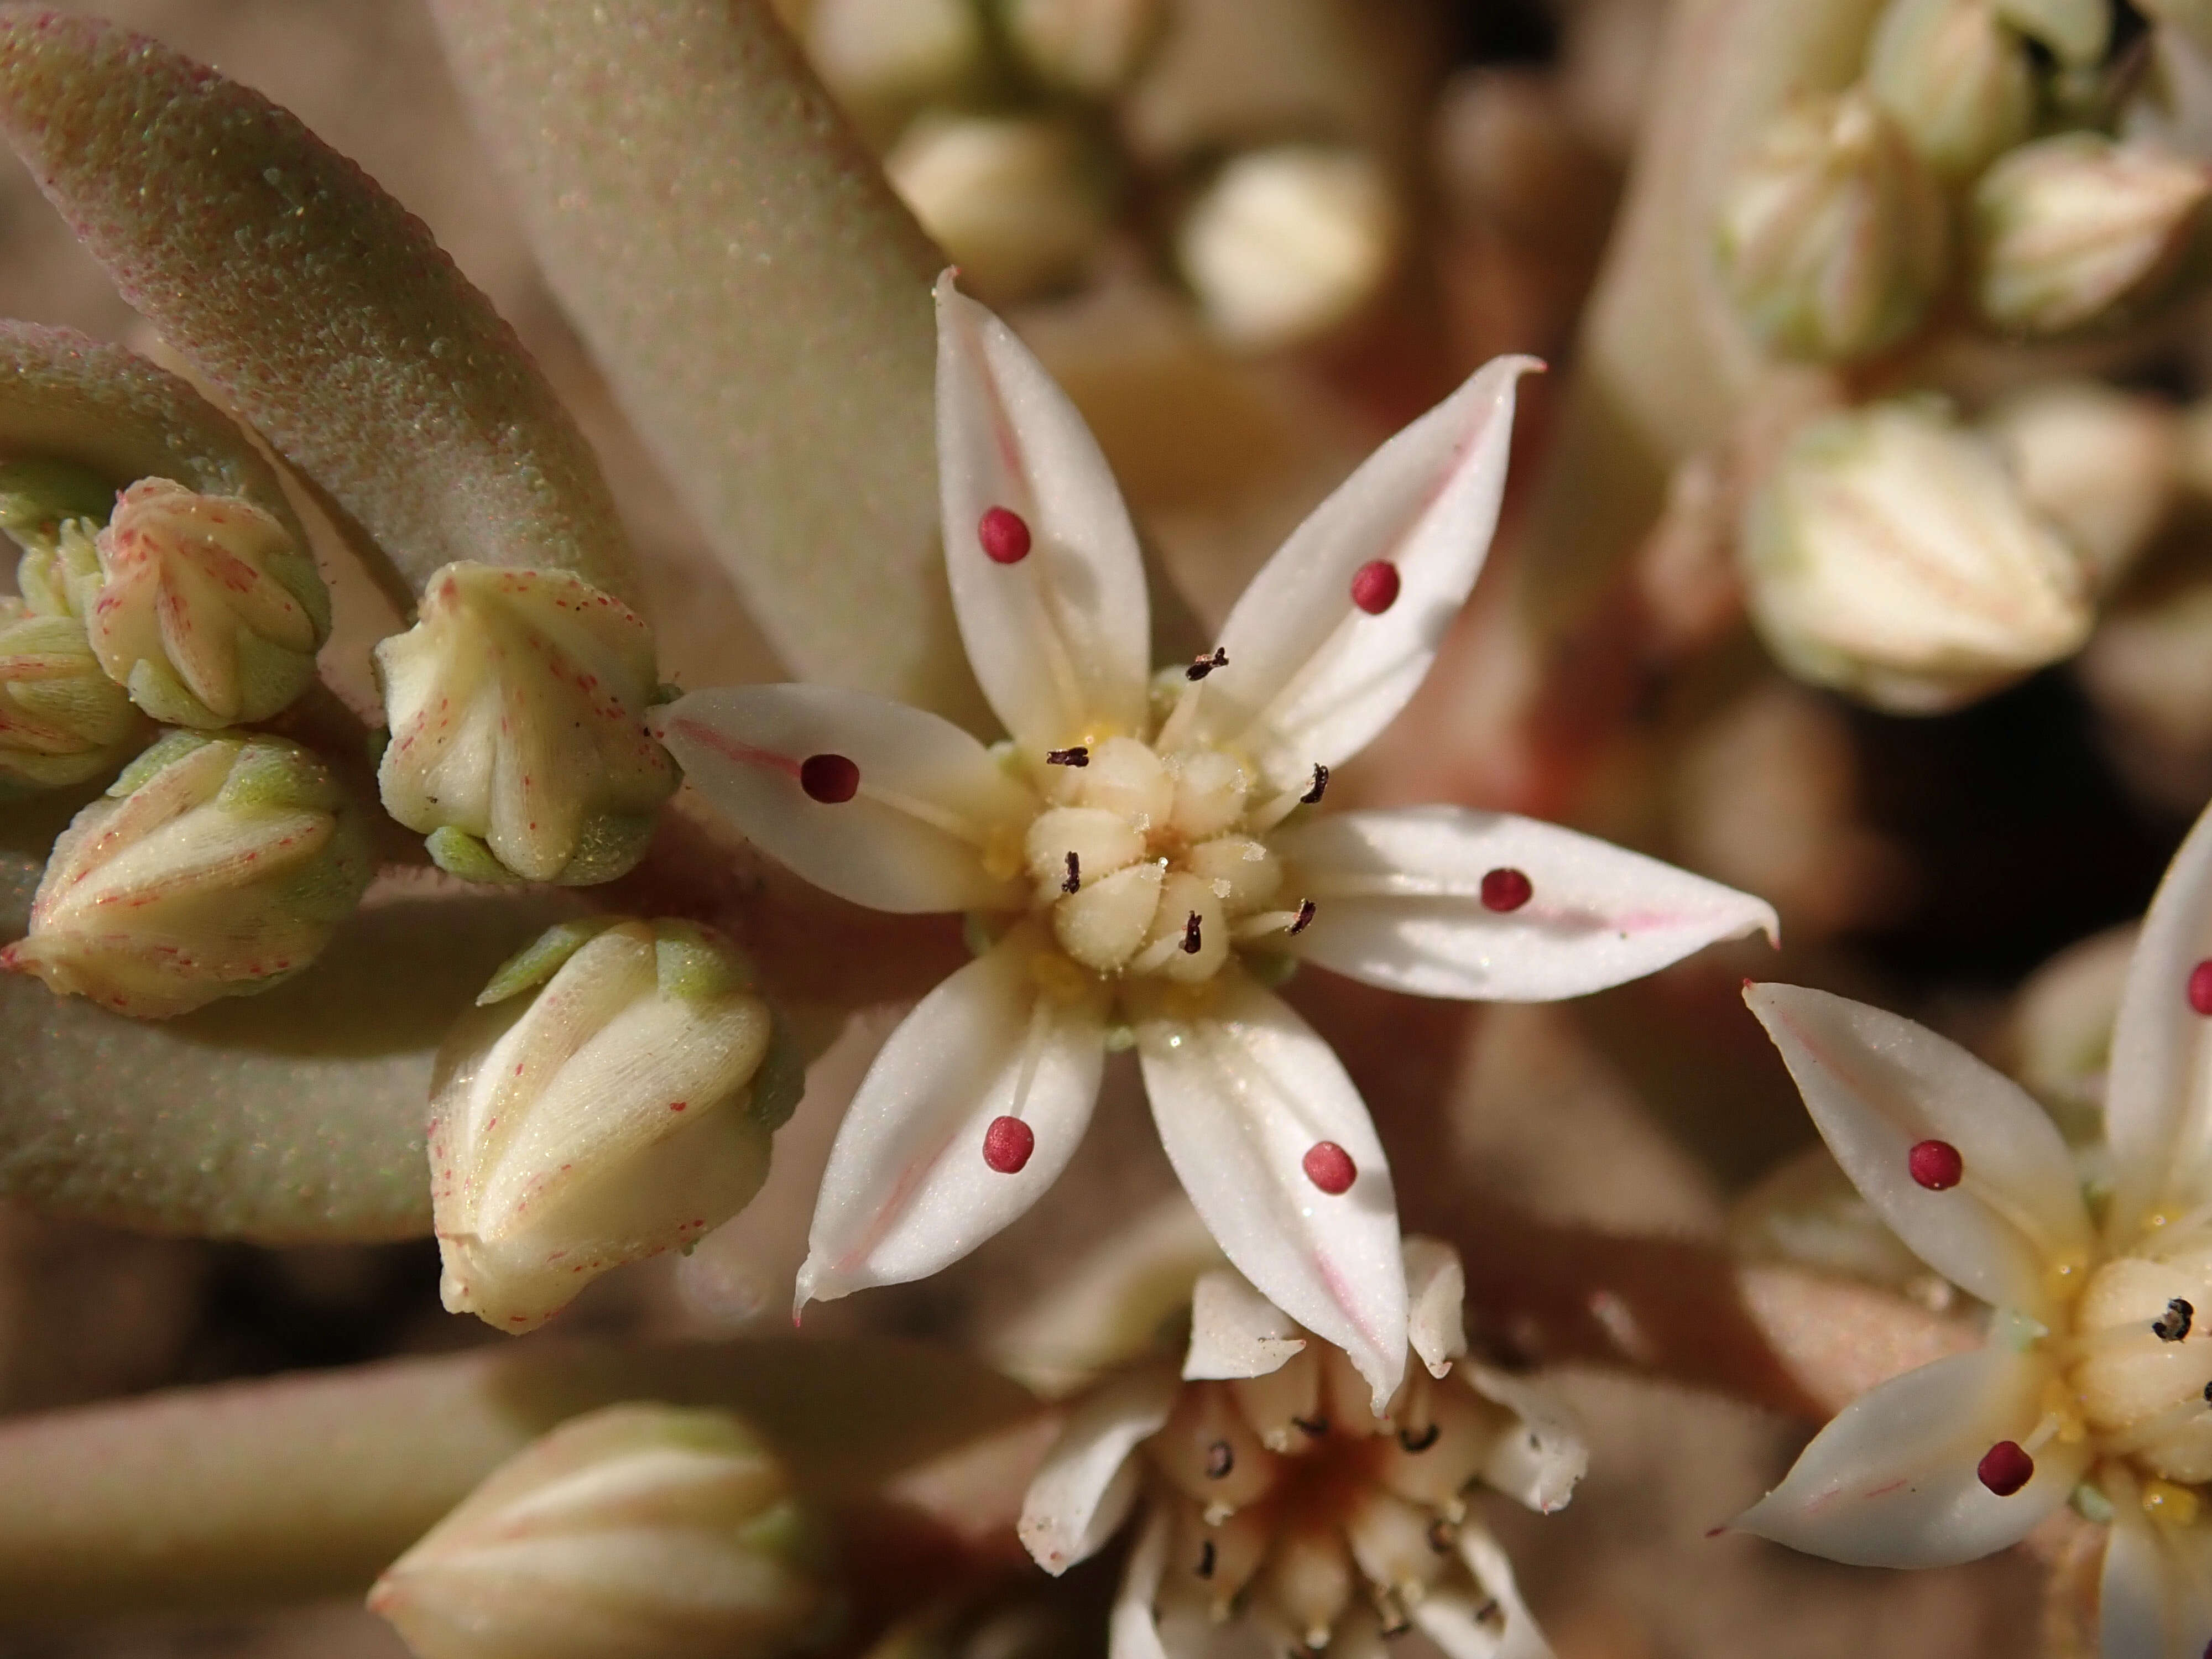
<point x="322" y="309"/>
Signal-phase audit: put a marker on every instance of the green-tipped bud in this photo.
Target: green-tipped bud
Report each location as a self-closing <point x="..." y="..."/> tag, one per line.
<point x="1286" y="243"/>
<point x="1892" y="555"/>
<point x="1090" y="46"/>
<point x="201" y="606"/>
<point x="2078" y="229"/>
<point x="38" y="496"/>
<point x="217" y="866"/>
<point x="1956" y="80"/>
<point x="1832" y="233"/>
<point x="637" y="1532"/>
<point x="1018" y="202"/>
<point x="517" y="705"/>
<point x="2099" y="463"/>
<point x="614" y="1099"/>
<point x="62" y="719"/>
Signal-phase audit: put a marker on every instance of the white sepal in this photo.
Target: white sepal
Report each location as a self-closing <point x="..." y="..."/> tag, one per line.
<point x="1892" y="1483"/>
<point x="1311" y="677"/>
<point x="1541" y="1460"/>
<point x="2155" y="1597"/>
<point x="1240" y="1092"/>
<point x="1399" y="902"/>
<point x="2158" y="1111"/>
<point x="1133" y="1630"/>
<point x="1236" y="1331"/>
<point x="1436" y="1297"/>
<point x="1084" y="1490"/>
<point x="1060" y="641"/>
<point x="1492" y="1623"/>
<point x="931" y="805"/>
<point x="907" y="1190"/>
<point x="1877" y="1084"/>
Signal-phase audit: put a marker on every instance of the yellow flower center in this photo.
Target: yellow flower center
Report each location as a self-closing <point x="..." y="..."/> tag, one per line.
<point x="2138" y="1365"/>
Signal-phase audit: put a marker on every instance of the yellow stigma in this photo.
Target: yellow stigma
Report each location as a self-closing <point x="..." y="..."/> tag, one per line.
<point x="2169" y="1505"/>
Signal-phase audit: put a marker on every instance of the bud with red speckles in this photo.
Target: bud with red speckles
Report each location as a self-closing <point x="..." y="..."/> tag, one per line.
<point x="614" y="1097"/>
<point x="637" y="1532"/>
<point x="216" y="866"/>
<point x="517" y="705"/>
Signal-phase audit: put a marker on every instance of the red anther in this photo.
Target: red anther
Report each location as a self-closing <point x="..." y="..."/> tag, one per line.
<point x="1375" y="586"/>
<point x="1505" y="889"/>
<point x="1004" y="536"/>
<point x="1937" y="1165"/>
<point x="828" y="779"/>
<point x="1330" y="1168"/>
<point x="1007" y="1144"/>
<point x="2005" y="1468"/>
<point x="2200" y="987"/>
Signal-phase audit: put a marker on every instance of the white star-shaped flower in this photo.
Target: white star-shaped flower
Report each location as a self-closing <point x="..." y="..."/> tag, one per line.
<point x="1272" y="1495"/>
<point x="2096" y="1383"/>
<point x="1142" y="845"/>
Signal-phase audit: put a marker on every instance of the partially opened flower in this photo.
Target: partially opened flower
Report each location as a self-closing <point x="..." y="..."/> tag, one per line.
<point x="2096" y="1384"/>
<point x="1137" y="848"/>
<point x="1271" y="1494"/>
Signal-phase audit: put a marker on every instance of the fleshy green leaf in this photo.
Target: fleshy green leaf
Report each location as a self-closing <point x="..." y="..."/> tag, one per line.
<point x="759" y="298"/>
<point x="66" y="397"/>
<point x="293" y="1115"/>
<point x="322" y="309"/>
<point x="266" y="1491"/>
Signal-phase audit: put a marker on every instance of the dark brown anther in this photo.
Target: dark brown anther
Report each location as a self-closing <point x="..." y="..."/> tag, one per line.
<point x="1314" y="1427"/>
<point x="2174" y="1324"/>
<point x="2208" y="1393"/>
<point x="1443" y="1536"/>
<point x="1079" y="755"/>
<point x="1312" y="797"/>
<point x="1206" y="1554"/>
<point x="1419" y="1440"/>
<point x="1219" y="1460"/>
<point x="1072" y="882"/>
<point x="1490" y="1613"/>
<point x="1305" y="919"/>
<point x="1192" y="943"/>
<point x="1201" y="666"/>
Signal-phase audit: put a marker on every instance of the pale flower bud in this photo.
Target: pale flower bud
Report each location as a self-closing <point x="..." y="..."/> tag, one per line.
<point x="1018" y="202"/>
<point x="2099" y="463"/>
<point x="1288" y="242"/>
<point x="217" y="866"/>
<point x="1832" y="231"/>
<point x="516" y="705"/>
<point x="1956" y="79"/>
<point x="2068" y="230"/>
<point x="614" y="1100"/>
<point x="1892" y="555"/>
<point x="637" y="1532"/>
<point x="884" y="58"/>
<point x="62" y="719"/>
<point x="203" y="606"/>
<point x="1090" y="46"/>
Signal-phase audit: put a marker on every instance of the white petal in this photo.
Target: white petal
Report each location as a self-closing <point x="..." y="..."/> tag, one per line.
<point x="1436" y="1302"/>
<point x="1398" y="898"/>
<point x="2158" y="1112"/>
<point x="1492" y="1623"/>
<point x="1133" y="1630"/>
<point x="2155" y="1598"/>
<point x="1539" y="1463"/>
<point x="1311" y="677"/>
<point x="932" y="804"/>
<point x="1876" y="1084"/>
<point x="906" y="1191"/>
<point x="1237" y="1331"/>
<point x="1060" y="641"/>
<point x="1240" y="1094"/>
<point x="1084" y="1488"/>
<point x="1891" y="1481"/>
